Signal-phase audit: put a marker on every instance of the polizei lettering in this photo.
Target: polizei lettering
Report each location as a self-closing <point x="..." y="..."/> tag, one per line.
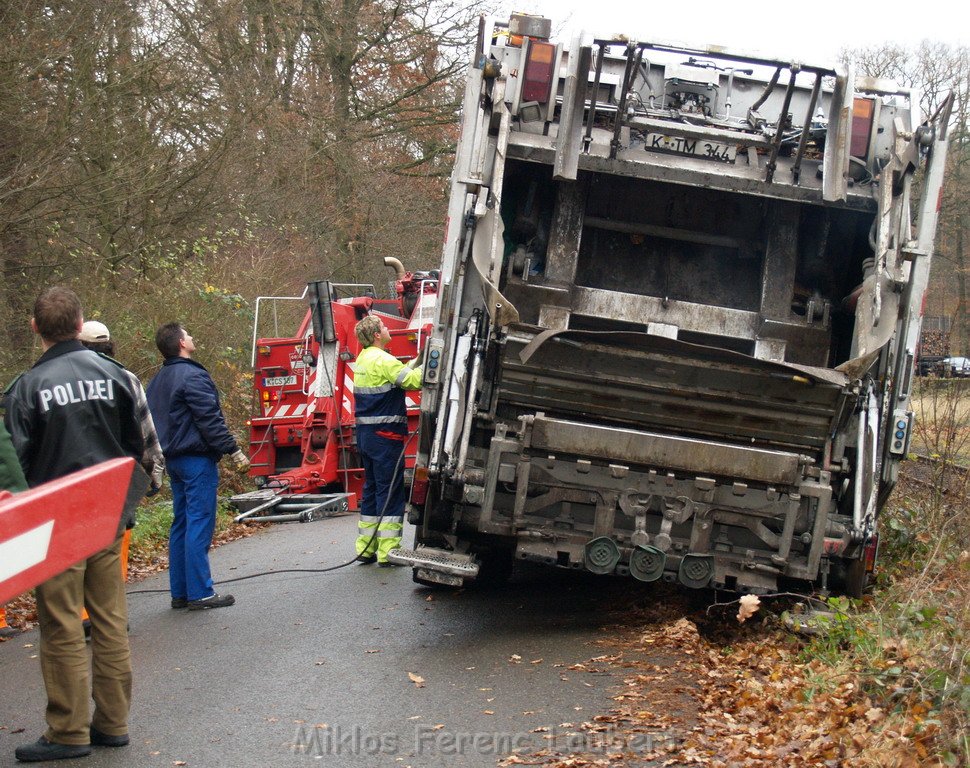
<point x="78" y="391"/>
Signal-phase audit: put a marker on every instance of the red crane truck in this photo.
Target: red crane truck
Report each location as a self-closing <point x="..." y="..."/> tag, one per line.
<point x="302" y="441"/>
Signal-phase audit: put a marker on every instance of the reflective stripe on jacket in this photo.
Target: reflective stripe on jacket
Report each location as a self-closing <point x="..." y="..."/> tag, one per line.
<point x="379" y="383"/>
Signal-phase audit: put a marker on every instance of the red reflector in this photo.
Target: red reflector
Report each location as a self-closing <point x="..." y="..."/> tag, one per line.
<point x="537" y="80"/>
<point x="862" y="113"/>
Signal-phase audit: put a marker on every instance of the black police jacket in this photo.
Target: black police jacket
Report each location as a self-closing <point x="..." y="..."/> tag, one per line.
<point x="73" y="409"/>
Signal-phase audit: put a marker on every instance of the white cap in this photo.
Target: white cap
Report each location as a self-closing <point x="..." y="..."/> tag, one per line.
<point x="92" y="330"/>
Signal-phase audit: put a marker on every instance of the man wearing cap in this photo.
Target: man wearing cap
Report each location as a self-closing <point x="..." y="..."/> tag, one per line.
<point x="74" y="409"/>
<point x="192" y="430"/>
<point x="96" y="336"/>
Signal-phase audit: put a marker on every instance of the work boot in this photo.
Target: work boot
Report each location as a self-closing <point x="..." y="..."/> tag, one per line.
<point x="179" y="603"/>
<point x="9" y="631"/>
<point x="366" y="559"/>
<point x="42" y="749"/>
<point x="388" y="564"/>
<point x="99" y="739"/>
<point x="212" y="601"/>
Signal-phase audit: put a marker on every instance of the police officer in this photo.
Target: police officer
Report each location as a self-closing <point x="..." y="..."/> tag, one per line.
<point x="74" y="409"/>
<point x="382" y="432"/>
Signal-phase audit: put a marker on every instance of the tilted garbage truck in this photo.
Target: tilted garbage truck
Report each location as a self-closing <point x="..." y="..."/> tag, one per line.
<point x="679" y="307"/>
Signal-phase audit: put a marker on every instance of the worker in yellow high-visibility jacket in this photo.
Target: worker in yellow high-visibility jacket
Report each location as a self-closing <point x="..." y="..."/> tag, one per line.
<point x="382" y="432"/>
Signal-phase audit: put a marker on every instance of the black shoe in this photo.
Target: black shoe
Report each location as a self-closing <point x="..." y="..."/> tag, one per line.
<point x="212" y="601"/>
<point x="86" y="624"/>
<point x="179" y="602"/>
<point x="99" y="739"/>
<point x="42" y="749"/>
<point x="366" y="559"/>
<point x="388" y="564"/>
<point x="9" y="631"/>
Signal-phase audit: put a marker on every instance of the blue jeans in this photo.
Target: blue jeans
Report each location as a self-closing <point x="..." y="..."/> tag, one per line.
<point x="195" y="481"/>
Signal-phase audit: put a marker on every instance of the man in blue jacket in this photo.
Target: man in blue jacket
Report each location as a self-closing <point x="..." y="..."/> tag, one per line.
<point x="194" y="436"/>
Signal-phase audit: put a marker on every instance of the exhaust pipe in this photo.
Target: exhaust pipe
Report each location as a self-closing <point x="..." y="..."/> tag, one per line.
<point x="396" y="265"/>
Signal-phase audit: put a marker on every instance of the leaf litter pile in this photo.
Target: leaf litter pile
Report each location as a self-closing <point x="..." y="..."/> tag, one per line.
<point x="728" y="686"/>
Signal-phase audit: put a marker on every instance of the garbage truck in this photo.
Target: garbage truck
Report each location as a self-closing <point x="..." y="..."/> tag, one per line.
<point x="679" y="307"/>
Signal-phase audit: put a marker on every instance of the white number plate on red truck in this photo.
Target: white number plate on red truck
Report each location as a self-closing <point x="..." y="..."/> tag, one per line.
<point x="725" y="153"/>
<point x="278" y="381"/>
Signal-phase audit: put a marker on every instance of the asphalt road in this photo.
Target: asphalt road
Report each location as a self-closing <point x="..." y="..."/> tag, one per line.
<point x="311" y="669"/>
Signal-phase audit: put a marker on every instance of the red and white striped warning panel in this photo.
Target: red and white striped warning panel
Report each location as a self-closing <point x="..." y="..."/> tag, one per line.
<point x="347" y="403"/>
<point x="281" y="411"/>
<point x="47" y="529"/>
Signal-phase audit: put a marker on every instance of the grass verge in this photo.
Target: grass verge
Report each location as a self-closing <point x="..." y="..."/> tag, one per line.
<point x="905" y="646"/>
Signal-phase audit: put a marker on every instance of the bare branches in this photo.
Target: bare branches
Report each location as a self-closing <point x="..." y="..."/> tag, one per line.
<point x="130" y="126"/>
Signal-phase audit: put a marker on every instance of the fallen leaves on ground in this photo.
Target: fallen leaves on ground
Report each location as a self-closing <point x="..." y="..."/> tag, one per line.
<point x="416" y="679"/>
<point x="735" y="696"/>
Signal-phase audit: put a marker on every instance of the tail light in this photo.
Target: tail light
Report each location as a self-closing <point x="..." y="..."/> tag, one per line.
<point x="537" y="79"/>
<point x="419" y="486"/>
<point x="863" y="110"/>
<point x="871" y="552"/>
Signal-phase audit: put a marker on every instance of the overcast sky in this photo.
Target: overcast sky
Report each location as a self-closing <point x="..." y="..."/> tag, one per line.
<point x="810" y="31"/>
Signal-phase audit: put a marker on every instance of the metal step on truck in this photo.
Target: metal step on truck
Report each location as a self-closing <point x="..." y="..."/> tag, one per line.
<point x="680" y="305"/>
